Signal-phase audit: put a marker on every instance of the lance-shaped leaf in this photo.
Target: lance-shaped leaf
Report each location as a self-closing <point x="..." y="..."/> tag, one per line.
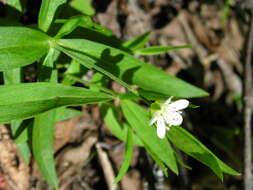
<point x="42" y="145"/>
<point x="84" y="6"/>
<point x="27" y="100"/>
<point x="44" y="124"/>
<point x="21" y="46"/>
<point x="117" y="127"/>
<point x="70" y="25"/>
<point x="47" y="12"/>
<point x="127" y="157"/>
<point x="138" y="42"/>
<point x="155" y="50"/>
<point x="191" y="146"/>
<point x="123" y="67"/>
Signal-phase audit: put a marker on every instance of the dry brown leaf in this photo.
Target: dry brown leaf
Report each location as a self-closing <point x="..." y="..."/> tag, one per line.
<point x="109" y="20"/>
<point x="63" y="132"/>
<point x="16" y="172"/>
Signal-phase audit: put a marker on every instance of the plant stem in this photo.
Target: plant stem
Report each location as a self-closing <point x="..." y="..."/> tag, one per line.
<point x="88" y="84"/>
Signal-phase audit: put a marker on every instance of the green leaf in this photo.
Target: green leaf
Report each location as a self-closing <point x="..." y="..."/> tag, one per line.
<point x="116" y="127"/>
<point x="15" y="4"/>
<point x="21" y="140"/>
<point x="24" y="151"/>
<point x="47" y="12"/>
<point x="225" y="168"/>
<point x="127" y="157"/>
<point x="91" y="63"/>
<point x="70" y="25"/>
<point x="74" y="69"/>
<point x="97" y="81"/>
<point x="95" y="31"/>
<point x="30" y="99"/>
<point x="102" y="30"/>
<point x="43" y="128"/>
<point x="67" y="113"/>
<point x="158" y="161"/>
<point x="22" y="133"/>
<point x="154" y="50"/>
<point x="129" y="96"/>
<point x="139" y="121"/>
<point x="84" y="6"/>
<point x="138" y="42"/>
<point x="21" y="46"/>
<point x="191" y="146"/>
<point x="193" y="106"/>
<point x="19" y="130"/>
<point x="126" y="69"/>
<point x="47" y="72"/>
<point x="149" y="95"/>
<point x="42" y="145"/>
<point x="14" y="77"/>
<point x="181" y="162"/>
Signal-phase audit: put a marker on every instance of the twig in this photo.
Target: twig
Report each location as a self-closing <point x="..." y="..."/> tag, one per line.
<point x="107" y="168"/>
<point x="248" y="111"/>
<point x="199" y="49"/>
<point x="159" y="176"/>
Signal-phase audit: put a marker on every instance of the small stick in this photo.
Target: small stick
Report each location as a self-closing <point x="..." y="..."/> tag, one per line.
<point x="248" y="110"/>
<point x="107" y="168"/>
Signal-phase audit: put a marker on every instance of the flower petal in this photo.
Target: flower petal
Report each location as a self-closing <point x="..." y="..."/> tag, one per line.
<point x="154" y="117"/>
<point x="168" y="100"/>
<point x="173" y="118"/>
<point x="161" y="128"/>
<point x="179" y="105"/>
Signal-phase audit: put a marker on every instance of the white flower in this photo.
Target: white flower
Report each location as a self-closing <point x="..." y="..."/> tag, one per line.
<point x="169" y="115"/>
